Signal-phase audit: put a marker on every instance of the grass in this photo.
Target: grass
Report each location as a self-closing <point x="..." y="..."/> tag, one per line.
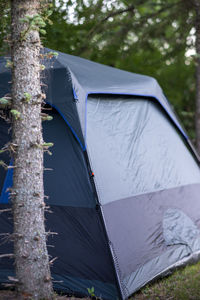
<point x="183" y="284"/>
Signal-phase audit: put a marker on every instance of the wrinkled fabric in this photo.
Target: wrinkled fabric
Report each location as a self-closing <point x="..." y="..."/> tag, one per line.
<point x="86" y="77"/>
<point x="134" y="149"/>
<point x="151" y="232"/>
<point x="156" y="268"/>
<point x="142" y="171"/>
<point x="178" y="228"/>
<point x="93" y="78"/>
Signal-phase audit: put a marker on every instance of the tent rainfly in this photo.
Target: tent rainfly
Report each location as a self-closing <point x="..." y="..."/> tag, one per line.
<point x="125" y="184"/>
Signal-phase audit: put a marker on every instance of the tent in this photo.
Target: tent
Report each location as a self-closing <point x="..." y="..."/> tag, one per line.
<point x="125" y="185"/>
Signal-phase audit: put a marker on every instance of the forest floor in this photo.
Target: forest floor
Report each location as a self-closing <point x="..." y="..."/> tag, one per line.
<point x="183" y="284"/>
<point x="11" y="295"/>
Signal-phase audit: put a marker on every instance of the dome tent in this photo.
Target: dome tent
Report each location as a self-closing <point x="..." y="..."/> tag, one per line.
<point x="124" y="190"/>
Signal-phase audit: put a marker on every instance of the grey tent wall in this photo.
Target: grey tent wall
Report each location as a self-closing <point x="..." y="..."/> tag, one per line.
<point x="128" y="207"/>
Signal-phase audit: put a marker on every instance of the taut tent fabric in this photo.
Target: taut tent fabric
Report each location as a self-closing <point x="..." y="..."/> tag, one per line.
<point x="125" y="185"/>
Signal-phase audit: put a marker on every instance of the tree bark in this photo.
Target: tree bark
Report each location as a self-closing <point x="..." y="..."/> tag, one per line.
<point x="197" y="110"/>
<point x="31" y="256"/>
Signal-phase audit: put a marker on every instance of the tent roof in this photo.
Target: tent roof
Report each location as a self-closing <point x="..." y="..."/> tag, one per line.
<point x="95" y="78"/>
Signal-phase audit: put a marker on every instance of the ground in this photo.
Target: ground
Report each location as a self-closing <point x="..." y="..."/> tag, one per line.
<point x="184" y="284"/>
<point x="10" y="295"/>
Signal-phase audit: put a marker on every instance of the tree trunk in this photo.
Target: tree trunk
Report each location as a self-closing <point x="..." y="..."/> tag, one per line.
<point x="197" y="111"/>
<point x="31" y="256"/>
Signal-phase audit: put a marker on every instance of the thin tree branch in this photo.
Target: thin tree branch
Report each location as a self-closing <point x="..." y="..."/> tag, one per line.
<point x="52" y="260"/>
<point x="110" y="15"/>
<point x="157" y="13"/>
<point x="7" y="255"/>
<point x="118" y="12"/>
<point x="5" y="210"/>
<point x="97" y="28"/>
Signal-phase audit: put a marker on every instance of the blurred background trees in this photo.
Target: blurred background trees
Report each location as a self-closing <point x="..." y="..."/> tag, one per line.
<point x="152" y="37"/>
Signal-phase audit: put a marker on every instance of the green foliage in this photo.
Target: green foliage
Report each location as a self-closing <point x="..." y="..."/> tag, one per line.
<point x="47" y="145"/>
<point x="9" y="63"/>
<point x="49" y="118"/>
<point x="42" y="67"/>
<point x="16" y="114"/>
<point x="3" y="164"/>
<point x="46" y="117"/>
<point x="152" y="38"/>
<point x="52" y="53"/>
<point x="182" y="285"/>
<point x="49" y="55"/>
<point x="4" y="26"/>
<point x="27" y="97"/>
<point x="36" y="22"/>
<point x="4" y="102"/>
<point x="91" y="291"/>
<point x="42" y="31"/>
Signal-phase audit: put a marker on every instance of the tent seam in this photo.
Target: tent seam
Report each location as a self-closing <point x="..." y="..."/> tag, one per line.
<point x="68" y="124"/>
